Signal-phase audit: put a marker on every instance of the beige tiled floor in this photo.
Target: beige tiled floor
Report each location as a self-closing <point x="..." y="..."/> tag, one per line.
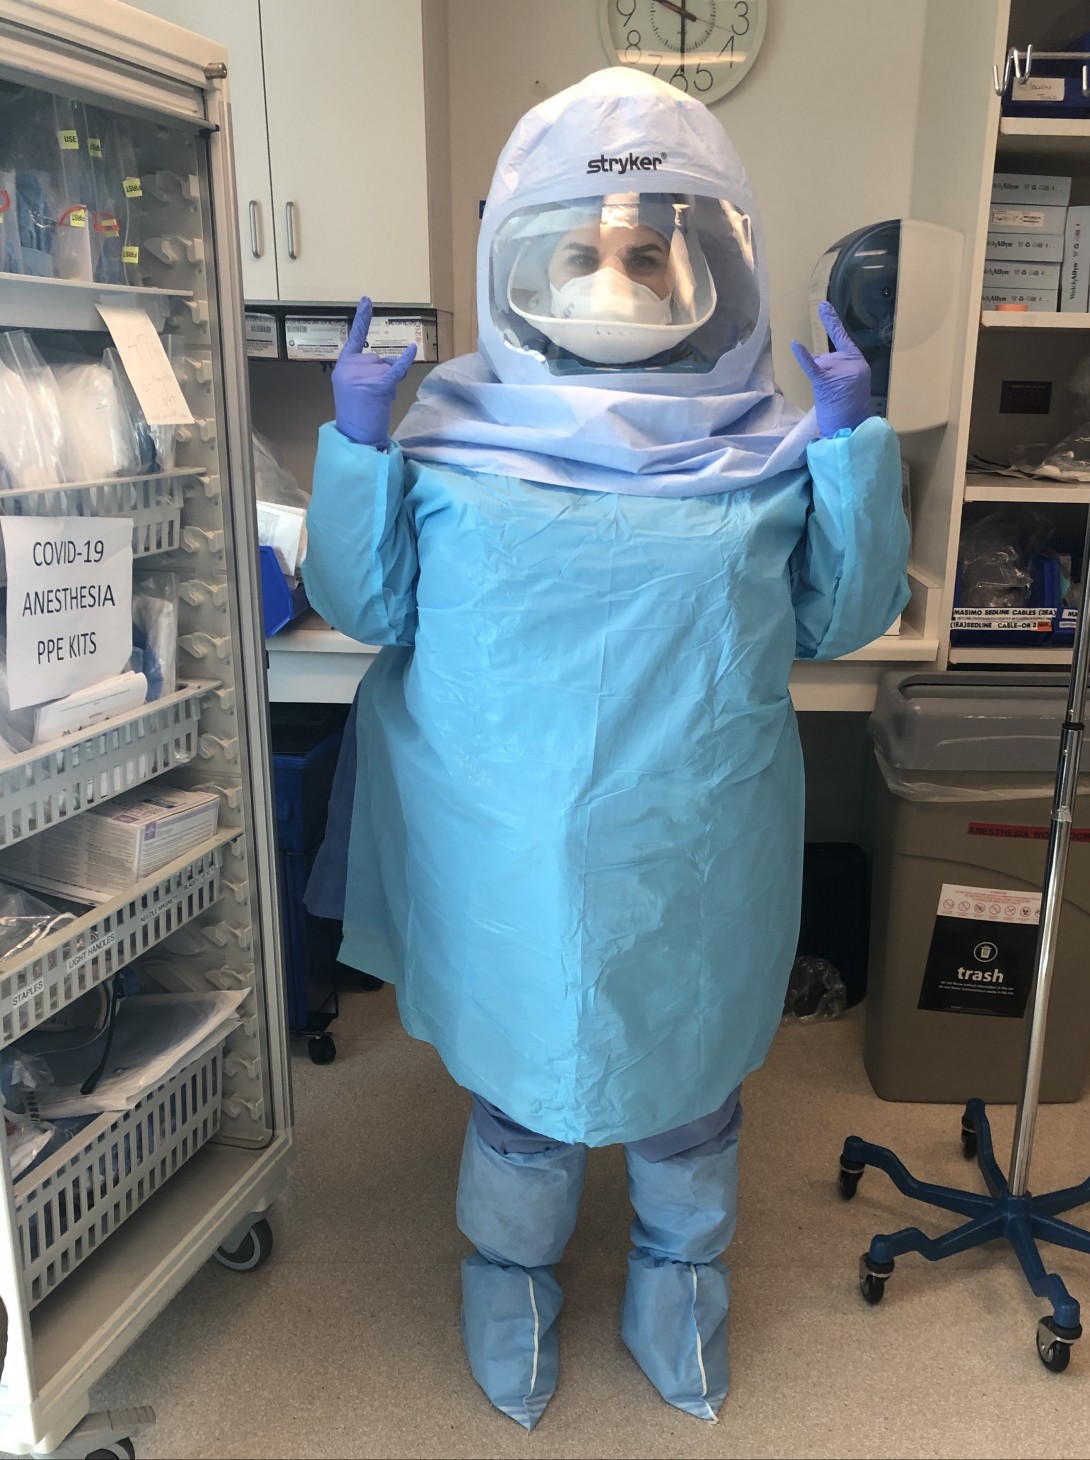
<point x="346" y="1343"/>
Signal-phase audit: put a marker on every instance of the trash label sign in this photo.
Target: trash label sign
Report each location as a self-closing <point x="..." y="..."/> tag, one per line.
<point x="983" y="946"/>
<point x="69" y="610"/>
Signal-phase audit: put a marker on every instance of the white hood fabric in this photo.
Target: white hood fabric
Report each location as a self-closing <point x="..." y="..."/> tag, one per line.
<point x="646" y="430"/>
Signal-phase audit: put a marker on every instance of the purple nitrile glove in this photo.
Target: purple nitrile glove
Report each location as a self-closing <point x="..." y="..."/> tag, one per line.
<point x="364" y="384"/>
<point x="840" y="381"/>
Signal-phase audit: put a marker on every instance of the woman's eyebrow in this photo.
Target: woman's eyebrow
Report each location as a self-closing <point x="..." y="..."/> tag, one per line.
<point x="645" y="248"/>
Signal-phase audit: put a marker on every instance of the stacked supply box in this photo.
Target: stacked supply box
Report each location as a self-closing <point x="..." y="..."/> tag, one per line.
<point x="1026" y="263"/>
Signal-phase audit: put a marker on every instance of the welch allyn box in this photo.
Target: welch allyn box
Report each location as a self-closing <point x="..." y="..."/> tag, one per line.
<point x="1015" y="218"/>
<point x="1031" y="187"/>
<point x="107" y="848"/>
<point x="1044" y="248"/>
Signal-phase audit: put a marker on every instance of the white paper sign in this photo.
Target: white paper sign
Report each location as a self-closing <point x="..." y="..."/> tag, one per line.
<point x="146" y="365"/>
<point x="69" y="614"/>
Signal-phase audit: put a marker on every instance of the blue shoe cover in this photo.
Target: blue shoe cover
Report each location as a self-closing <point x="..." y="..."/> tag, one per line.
<point x="674" y="1321"/>
<point x="509" y="1329"/>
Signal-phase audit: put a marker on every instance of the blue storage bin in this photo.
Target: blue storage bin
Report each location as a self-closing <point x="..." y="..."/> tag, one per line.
<point x="306" y="741"/>
<point x="311" y="946"/>
<point x="1072" y="104"/>
<point x="281" y="601"/>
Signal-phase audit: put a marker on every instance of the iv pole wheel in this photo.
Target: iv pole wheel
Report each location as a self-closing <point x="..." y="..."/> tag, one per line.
<point x="872" y="1278"/>
<point x="847" y="1181"/>
<point x="1054" y="1344"/>
<point x="1055" y="1356"/>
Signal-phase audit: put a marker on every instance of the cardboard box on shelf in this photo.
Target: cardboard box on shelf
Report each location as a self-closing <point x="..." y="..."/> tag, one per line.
<point x="1013" y="218"/>
<point x="1027" y="188"/>
<point x="107" y="848"/>
<point x="1075" y="275"/>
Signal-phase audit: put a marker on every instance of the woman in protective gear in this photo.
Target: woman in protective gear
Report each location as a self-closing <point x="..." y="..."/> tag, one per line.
<point x="575" y="845"/>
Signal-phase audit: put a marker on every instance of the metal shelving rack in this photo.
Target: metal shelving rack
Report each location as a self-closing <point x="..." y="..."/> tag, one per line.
<point x="96" y="1241"/>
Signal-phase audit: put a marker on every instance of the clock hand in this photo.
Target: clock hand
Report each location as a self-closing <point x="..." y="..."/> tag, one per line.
<point x="679" y="10"/>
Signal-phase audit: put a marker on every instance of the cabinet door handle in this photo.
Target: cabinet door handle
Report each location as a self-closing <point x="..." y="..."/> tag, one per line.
<point x="255" y="238"/>
<point x="289" y="219"/>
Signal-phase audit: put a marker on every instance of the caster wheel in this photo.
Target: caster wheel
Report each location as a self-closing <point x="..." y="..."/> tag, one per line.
<point x="119" y="1450"/>
<point x="1055" y="1355"/>
<point x="872" y="1278"/>
<point x="256" y="1247"/>
<point x="968" y="1142"/>
<point x="872" y="1287"/>
<point x="1054" y="1344"/>
<point x="848" y="1182"/>
<point x="321" y="1049"/>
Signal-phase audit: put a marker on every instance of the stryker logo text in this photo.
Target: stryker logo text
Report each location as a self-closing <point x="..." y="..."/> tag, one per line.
<point x="631" y="162"/>
<point x="980" y="975"/>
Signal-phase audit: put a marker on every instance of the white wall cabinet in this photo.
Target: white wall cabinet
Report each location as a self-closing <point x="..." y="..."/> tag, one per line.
<point x="341" y="145"/>
<point x="237" y="25"/>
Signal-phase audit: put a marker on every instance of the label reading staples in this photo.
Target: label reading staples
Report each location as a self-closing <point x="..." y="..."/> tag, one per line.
<point x="31" y="991"/>
<point x="105" y="940"/>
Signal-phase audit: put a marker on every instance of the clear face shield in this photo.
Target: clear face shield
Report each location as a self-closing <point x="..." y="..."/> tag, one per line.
<point x="634" y="280"/>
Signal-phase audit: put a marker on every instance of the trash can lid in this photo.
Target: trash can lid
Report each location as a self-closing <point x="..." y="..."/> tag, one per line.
<point x="975" y="722"/>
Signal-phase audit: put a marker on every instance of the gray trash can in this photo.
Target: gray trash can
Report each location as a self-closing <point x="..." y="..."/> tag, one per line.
<point x="964" y="771"/>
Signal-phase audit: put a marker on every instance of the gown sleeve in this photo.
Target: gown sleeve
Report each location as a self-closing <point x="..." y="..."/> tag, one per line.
<point x="848" y="573"/>
<point x="360" y="567"/>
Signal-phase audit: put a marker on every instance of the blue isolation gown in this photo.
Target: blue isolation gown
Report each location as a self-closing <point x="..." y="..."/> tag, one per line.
<point x="577" y="830"/>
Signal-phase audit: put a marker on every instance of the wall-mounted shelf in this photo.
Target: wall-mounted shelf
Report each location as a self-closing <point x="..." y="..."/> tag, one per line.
<point x="988" y="487"/>
<point x="1011" y="319"/>
<point x="1036" y="136"/>
<point x="68" y="304"/>
<point x="1048" y="655"/>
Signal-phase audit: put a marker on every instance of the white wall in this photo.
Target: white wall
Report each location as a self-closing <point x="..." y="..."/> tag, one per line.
<point x="825" y="124"/>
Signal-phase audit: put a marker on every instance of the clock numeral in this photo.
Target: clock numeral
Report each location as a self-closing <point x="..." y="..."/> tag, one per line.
<point x="618" y="5"/>
<point x="741" y="10"/>
<point x="729" y="47"/>
<point x="683" y="84"/>
<point x="632" y="51"/>
<point x="703" y="85"/>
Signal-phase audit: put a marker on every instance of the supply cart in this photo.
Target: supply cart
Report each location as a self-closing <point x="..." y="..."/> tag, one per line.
<point x="95" y="1241"/>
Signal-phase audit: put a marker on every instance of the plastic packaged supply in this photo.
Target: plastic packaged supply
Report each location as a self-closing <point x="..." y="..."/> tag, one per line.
<point x="25" y="920"/>
<point x="11" y="249"/>
<point x="155" y="446"/>
<point x="155" y="1036"/>
<point x="99" y="430"/>
<point x="109" y="847"/>
<point x="106" y="196"/>
<point x="815" y="992"/>
<point x="48" y="150"/>
<point x="155" y="632"/>
<point x="996" y="557"/>
<point x="31" y="431"/>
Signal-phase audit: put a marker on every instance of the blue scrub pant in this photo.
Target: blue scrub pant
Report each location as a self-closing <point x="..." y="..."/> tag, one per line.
<point x="518" y="1198"/>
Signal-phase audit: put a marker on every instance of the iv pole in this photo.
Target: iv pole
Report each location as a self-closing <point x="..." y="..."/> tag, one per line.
<point x="1009" y="1211"/>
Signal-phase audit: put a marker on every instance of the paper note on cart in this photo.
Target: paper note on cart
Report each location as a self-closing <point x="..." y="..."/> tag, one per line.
<point x="146" y="365"/>
<point x="69" y="604"/>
